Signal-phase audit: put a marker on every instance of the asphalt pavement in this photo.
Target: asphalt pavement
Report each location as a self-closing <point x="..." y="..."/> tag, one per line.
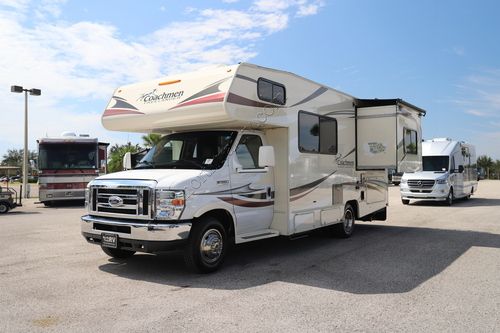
<point x="428" y="268"/>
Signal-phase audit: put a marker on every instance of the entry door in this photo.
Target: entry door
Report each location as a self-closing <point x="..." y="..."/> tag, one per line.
<point x="252" y="187"/>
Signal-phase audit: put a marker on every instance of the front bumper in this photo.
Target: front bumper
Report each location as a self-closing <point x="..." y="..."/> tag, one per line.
<point x="439" y="192"/>
<point x="137" y="236"/>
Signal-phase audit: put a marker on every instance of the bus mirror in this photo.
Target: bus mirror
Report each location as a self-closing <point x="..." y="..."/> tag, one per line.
<point x="127" y="161"/>
<point x="460" y="168"/>
<point x="266" y="156"/>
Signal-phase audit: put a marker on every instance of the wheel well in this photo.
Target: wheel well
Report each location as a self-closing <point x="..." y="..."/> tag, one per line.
<point x="354" y="205"/>
<point x="224" y="217"/>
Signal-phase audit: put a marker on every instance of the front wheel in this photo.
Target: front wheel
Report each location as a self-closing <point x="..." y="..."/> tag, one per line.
<point x="449" y="198"/>
<point x="117" y="253"/>
<point x="405" y="201"/>
<point x="346" y="228"/>
<point x="4" y="208"/>
<point x="207" y="246"/>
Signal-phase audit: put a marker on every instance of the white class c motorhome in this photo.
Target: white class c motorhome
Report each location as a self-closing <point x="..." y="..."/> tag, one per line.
<point x="249" y="153"/>
<point x="449" y="172"/>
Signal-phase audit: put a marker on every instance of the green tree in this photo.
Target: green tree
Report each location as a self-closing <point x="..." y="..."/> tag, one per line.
<point x="150" y="140"/>
<point x="486" y="163"/>
<point x="116" y="153"/>
<point x="14" y="157"/>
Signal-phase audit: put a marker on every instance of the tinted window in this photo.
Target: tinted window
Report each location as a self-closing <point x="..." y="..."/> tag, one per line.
<point x="308" y="133"/>
<point x="435" y="163"/>
<point x="67" y="156"/>
<point x="410" y="141"/>
<point x="271" y="91"/>
<point x="247" y="151"/>
<point x="265" y="90"/>
<point x="328" y="135"/>
<point x="278" y="94"/>
<point x="317" y="134"/>
<point x="189" y="150"/>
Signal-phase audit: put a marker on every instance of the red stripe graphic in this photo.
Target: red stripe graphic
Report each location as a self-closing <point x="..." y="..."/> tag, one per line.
<point x="66" y="172"/>
<point x="119" y="112"/>
<point x="218" y="97"/>
<point x="63" y="186"/>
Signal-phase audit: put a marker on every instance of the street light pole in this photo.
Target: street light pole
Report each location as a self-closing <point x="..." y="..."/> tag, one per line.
<point x="33" y="92"/>
<point x="25" y="155"/>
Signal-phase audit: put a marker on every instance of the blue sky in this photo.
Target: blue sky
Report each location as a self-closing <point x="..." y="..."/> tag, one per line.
<point x="443" y="56"/>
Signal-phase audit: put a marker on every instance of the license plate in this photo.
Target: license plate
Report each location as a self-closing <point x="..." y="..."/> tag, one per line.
<point x="109" y="240"/>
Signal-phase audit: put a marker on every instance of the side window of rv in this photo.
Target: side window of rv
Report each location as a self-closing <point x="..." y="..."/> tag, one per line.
<point x="271" y="91"/>
<point x="247" y="151"/>
<point x="317" y="134"/>
<point x="410" y="141"/>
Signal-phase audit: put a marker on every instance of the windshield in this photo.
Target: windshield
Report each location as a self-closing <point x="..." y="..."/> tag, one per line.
<point x="54" y="156"/>
<point x="435" y="163"/>
<point x="192" y="150"/>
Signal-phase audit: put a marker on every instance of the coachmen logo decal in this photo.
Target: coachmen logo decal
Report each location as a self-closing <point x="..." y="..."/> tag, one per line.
<point x="115" y="201"/>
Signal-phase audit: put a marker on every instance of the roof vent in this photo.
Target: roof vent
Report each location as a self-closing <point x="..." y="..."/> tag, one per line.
<point x="84" y="135"/>
<point x="68" y="134"/>
<point x="440" y="139"/>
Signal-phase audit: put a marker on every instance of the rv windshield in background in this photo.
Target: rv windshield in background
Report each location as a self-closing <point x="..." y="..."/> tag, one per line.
<point x="435" y="163"/>
<point x="190" y="150"/>
<point x="58" y="156"/>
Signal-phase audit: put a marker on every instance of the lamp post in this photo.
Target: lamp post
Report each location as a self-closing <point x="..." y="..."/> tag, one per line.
<point x="33" y="92"/>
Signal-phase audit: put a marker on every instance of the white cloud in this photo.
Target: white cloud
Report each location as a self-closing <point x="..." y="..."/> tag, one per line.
<point x="476" y="113"/>
<point x="77" y="64"/>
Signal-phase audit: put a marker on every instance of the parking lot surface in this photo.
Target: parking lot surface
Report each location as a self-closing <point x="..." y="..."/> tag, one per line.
<point x="429" y="267"/>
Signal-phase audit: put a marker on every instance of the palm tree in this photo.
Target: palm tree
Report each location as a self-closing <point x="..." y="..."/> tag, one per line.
<point x="116" y="153"/>
<point x="151" y="139"/>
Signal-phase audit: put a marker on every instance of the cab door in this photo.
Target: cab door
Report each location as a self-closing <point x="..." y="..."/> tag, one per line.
<point x="252" y="187"/>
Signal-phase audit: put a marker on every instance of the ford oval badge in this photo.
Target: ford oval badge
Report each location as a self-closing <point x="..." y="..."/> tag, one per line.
<point x="115" y="201"/>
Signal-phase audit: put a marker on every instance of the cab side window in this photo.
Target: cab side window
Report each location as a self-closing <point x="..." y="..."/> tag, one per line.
<point x="247" y="151"/>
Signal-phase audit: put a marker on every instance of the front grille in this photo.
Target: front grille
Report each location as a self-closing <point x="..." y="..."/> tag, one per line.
<point x="421" y="183"/>
<point x="132" y="202"/>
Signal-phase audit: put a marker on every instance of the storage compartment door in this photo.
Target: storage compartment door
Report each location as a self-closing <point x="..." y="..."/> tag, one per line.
<point x="376" y="130"/>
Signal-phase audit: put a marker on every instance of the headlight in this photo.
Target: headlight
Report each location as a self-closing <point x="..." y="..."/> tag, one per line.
<point x="168" y="204"/>
<point x="404" y="181"/>
<point x="442" y="181"/>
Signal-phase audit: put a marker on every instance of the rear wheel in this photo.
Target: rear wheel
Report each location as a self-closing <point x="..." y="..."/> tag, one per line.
<point x="207" y="246"/>
<point x="117" y="253"/>
<point x="405" y="201"/>
<point x="4" y="207"/>
<point x="47" y="203"/>
<point x="346" y="228"/>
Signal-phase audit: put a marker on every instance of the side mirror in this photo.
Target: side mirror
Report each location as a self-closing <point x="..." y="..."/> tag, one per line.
<point x="266" y="156"/>
<point x="460" y="168"/>
<point x="127" y="161"/>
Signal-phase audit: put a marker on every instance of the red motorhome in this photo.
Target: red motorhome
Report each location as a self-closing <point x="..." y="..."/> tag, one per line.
<point x="66" y="164"/>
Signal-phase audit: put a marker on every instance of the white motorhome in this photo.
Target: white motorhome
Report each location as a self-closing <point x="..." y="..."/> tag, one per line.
<point x="249" y="153"/>
<point x="449" y="172"/>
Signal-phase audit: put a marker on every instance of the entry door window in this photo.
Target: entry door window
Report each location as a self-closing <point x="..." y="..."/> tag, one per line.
<point x="247" y="151"/>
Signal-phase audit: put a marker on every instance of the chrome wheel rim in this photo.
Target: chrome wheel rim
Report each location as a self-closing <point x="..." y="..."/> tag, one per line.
<point x="3" y="208"/>
<point x="348" y="221"/>
<point x="211" y="246"/>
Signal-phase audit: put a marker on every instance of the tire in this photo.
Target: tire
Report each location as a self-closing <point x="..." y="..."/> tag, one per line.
<point x="117" y="253"/>
<point x="47" y="203"/>
<point x="450" y="198"/>
<point x="4" y="208"/>
<point x="207" y="246"/>
<point x="346" y="228"/>
<point x="405" y="201"/>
